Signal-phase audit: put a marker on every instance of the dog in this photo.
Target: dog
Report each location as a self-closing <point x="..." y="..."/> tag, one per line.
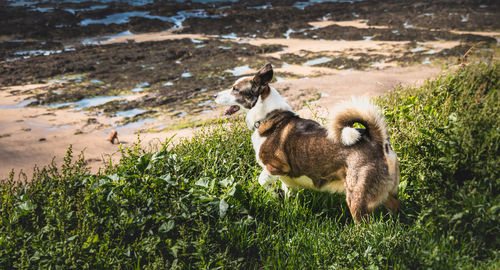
<point x="304" y="154"/>
<point x="113" y="136"/>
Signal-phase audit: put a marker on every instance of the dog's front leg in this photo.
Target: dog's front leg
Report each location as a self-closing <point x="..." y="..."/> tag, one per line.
<point x="286" y="189"/>
<point x="265" y="178"/>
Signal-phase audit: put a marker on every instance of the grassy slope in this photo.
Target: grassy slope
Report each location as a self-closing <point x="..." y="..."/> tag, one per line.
<point x="198" y="205"/>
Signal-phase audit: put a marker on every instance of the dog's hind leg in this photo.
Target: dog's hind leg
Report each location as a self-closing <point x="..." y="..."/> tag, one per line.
<point x="357" y="205"/>
<point x="356" y="193"/>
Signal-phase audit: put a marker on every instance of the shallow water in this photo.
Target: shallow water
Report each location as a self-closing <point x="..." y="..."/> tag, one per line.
<point x="22" y="3"/>
<point x="71" y="10"/>
<point x="206" y="102"/>
<point x="100" y="39"/>
<point x="377" y="64"/>
<point x="124" y="17"/>
<point x="19" y="105"/>
<point x="238" y="71"/>
<point x="230" y="36"/>
<point x="130" y="2"/>
<point x="407" y="26"/>
<point x="32" y="3"/>
<point x="183" y="15"/>
<point x="317" y="61"/>
<point x="417" y="49"/>
<point x="136" y="124"/>
<point x="27" y="54"/>
<point x="186" y="75"/>
<point x="304" y="4"/>
<point x="139" y="87"/>
<point x="38" y="52"/>
<point x="87" y="102"/>
<point x="121" y="34"/>
<point x="288" y="32"/>
<point x="130" y="113"/>
<point x="266" y="6"/>
<point x="427" y="61"/>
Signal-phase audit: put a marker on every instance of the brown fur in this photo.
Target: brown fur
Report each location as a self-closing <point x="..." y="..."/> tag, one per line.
<point x="305" y="154"/>
<point x="362" y="113"/>
<point x="295" y="147"/>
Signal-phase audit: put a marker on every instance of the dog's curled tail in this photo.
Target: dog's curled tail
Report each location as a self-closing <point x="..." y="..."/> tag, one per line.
<point x="360" y="110"/>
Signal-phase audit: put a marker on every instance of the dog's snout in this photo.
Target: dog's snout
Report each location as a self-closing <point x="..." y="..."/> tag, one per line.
<point x="224" y="98"/>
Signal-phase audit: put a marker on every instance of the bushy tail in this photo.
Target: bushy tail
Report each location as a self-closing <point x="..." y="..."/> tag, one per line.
<point x="360" y="110"/>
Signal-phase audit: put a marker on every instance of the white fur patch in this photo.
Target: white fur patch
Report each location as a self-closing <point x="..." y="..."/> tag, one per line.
<point x="357" y="108"/>
<point x="334" y="186"/>
<point x="226" y="98"/>
<point x="265" y="178"/>
<point x="350" y="136"/>
<point x="257" y="141"/>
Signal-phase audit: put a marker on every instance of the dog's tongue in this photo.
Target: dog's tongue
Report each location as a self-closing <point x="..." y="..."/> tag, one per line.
<point x="232" y="110"/>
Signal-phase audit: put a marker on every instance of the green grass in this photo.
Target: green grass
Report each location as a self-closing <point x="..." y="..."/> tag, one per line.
<point x="197" y="204"/>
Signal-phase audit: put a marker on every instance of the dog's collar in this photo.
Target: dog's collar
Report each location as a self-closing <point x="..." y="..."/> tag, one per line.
<point x="257" y="124"/>
<point x="268" y="117"/>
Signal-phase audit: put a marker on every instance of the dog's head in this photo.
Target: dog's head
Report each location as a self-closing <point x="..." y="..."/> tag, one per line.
<point x="246" y="91"/>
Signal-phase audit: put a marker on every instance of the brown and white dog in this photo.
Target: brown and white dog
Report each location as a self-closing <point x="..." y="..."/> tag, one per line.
<point x="302" y="153"/>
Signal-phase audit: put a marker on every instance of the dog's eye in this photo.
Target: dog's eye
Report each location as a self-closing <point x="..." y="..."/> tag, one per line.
<point x="235" y="89"/>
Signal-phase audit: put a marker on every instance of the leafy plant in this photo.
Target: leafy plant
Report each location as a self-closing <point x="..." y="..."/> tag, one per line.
<point x="197" y="204"/>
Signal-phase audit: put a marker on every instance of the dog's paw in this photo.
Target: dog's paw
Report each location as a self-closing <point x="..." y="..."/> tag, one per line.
<point x="265" y="179"/>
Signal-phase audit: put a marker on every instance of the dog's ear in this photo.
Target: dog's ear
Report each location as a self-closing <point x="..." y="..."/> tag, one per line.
<point x="264" y="75"/>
